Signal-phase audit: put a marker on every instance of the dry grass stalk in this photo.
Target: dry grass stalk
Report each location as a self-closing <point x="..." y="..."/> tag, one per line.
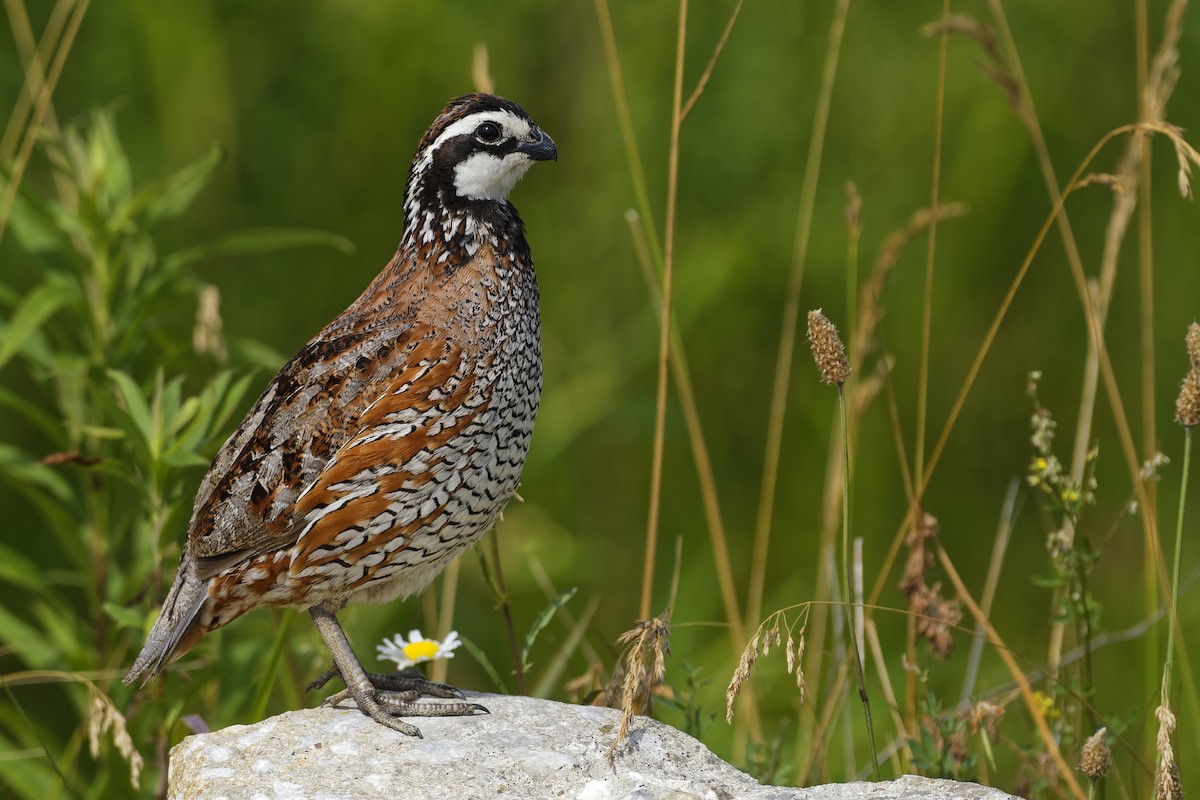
<point x="642" y="669"/>
<point x="102" y="717"/>
<point x="1157" y="89"/>
<point x="827" y="349"/>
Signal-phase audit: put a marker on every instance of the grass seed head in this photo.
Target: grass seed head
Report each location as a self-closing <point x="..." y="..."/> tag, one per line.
<point x="740" y="675"/>
<point x="828" y="350"/>
<point x="1187" y="406"/>
<point x="648" y="640"/>
<point x="801" y="684"/>
<point x="1166" y="782"/>
<point x="1095" y="758"/>
<point x="103" y="716"/>
<point x="1193" y="344"/>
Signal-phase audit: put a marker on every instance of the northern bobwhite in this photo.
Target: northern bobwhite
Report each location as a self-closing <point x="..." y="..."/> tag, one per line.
<point x="392" y="441"/>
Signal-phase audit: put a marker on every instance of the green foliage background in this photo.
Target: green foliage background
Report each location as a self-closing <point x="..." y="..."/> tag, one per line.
<point x="318" y="106"/>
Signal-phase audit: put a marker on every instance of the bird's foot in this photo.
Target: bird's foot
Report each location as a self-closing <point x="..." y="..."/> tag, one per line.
<point x="398" y="694"/>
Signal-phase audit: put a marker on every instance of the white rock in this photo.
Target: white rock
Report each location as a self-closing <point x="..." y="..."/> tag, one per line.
<point x="525" y="748"/>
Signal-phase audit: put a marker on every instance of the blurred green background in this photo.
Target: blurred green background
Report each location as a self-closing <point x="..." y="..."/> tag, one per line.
<point x="319" y="105"/>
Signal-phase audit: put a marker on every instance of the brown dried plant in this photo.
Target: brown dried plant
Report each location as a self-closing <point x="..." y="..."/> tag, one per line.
<point x="102" y="717"/>
<point x="933" y="615"/>
<point x="1166" y="783"/>
<point x="1095" y="757"/>
<point x="640" y="671"/>
<point x="769" y="635"/>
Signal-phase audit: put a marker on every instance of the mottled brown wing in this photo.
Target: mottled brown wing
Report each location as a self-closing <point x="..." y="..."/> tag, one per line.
<point x="308" y="412"/>
<point x="398" y="472"/>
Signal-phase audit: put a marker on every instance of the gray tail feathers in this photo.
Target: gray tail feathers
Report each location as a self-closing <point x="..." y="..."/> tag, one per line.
<point x="178" y="613"/>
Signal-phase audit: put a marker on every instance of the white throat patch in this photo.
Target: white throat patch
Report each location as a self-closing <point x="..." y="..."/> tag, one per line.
<point x="483" y="176"/>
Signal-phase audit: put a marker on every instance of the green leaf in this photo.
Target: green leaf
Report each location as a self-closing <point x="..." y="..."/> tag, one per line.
<point x="48" y="424"/>
<point x="1047" y="581"/>
<point x="541" y="621"/>
<point x="268" y="676"/>
<point x="109" y="165"/>
<point x="125" y="617"/>
<point x="136" y="406"/>
<point x="170" y="197"/>
<point x="32" y="222"/>
<point x="67" y="633"/>
<point x="554" y="670"/>
<point x="256" y="354"/>
<point x="183" y="460"/>
<point x="32" y="311"/>
<point x="100" y="431"/>
<point x="25" y="772"/>
<point x="18" y="570"/>
<point x="258" y="241"/>
<point x="21" y="468"/>
<point x="485" y="662"/>
<point x="27" y="641"/>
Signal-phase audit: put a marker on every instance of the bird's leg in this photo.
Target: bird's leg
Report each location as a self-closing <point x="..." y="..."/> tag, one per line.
<point x="394" y="695"/>
<point x="405" y="680"/>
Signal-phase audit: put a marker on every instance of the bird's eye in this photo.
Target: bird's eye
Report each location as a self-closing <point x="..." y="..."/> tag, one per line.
<point x="488" y="132"/>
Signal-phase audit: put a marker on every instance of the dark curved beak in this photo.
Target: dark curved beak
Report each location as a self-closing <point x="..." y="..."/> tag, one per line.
<point x="542" y="149"/>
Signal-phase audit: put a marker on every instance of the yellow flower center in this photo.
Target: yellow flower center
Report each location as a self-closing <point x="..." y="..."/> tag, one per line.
<point x="422" y="649"/>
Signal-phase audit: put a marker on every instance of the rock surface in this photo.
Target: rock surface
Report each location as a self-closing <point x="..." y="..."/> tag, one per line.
<point x="525" y="748"/>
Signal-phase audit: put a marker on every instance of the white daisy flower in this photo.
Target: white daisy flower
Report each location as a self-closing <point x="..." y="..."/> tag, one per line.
<point x="417" y="648"/>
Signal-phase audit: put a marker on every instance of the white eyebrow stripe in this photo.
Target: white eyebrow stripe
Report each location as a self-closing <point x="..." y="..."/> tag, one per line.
<point x="507" y="120"/>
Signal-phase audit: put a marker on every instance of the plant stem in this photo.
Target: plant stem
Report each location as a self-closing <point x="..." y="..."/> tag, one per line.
<point x="1173" y="619"/>
<point x="506" y="608"/>
<point x="931" y="253"/>
<point x="855" y="654"/>
<point x="664" y="349"/>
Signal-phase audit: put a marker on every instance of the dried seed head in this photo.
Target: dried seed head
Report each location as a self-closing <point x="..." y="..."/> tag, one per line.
<point x="938" y="616"/>
<point x="1168" y="785"/>
<point x="1193" y="344"/>
<point x="801" y="684"/>
<point x="1187" y="407"/>
<point x="740" y="676"/>
<point x="1095" y="758"/>
<point x="1166" y="782"/>
<point x="103" y="716"/>
<point x="789" y="652"/>
<point x="828" y="350"/>
<point x="649" y="641"/>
